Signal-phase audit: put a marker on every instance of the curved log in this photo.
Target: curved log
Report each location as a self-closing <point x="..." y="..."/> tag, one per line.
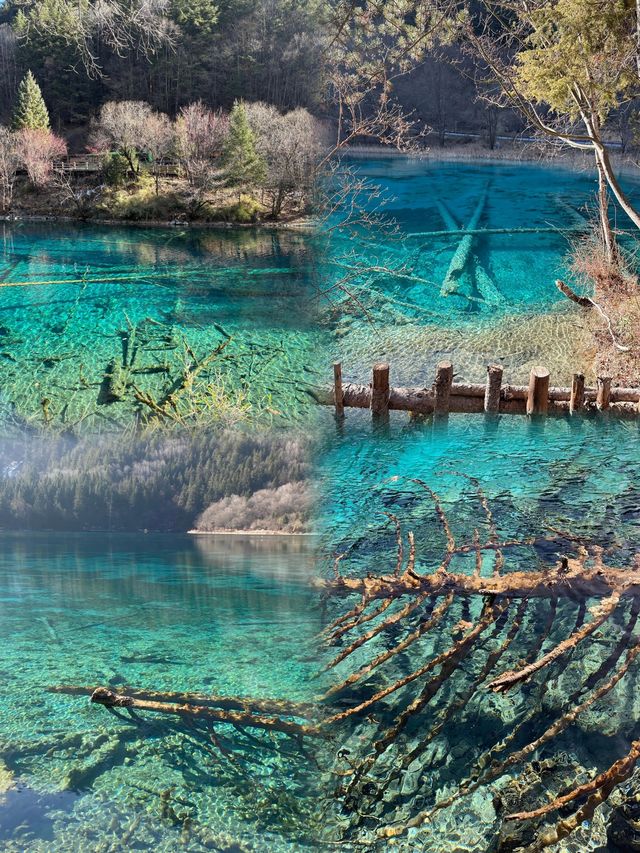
<point x="601" y="613"/>
<point x="230" y="703"/>
<point x="617" y="773"/>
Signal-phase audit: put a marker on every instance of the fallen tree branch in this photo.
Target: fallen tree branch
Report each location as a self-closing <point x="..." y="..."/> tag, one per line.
<point x="601" y="613"/>
<point x="111" y="699"/>
<point x="587" y="302"/>
<point x="233" y="703"/>
<point x="617" y="773"/>
<point x="583" y="301"/>
<point x="568" y="579"/>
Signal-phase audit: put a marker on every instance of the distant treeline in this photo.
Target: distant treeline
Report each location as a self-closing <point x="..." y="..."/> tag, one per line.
<point x="156" y="482"/>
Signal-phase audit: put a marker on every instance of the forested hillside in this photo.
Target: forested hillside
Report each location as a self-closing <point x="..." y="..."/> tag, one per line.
<point x="152" y="482"/>
<point x="166" y="52"/>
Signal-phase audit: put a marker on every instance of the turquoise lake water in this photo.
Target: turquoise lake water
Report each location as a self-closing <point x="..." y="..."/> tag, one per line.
<point x="212" y="615"/>
<point x="75" y="300"/>
<point x="502" y="304"/>
<point x="551" y="480"/>
<point x="82" y="304"/>
<point x="237" y="616"/>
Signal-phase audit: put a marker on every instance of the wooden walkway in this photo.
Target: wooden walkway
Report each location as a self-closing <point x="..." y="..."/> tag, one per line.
<point x="93" y="163"/>
<point x="492" y="398"/>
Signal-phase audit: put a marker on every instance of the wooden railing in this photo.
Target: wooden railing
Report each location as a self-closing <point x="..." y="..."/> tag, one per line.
<point x="94" y="163"/>
<point x="492" y="398"/>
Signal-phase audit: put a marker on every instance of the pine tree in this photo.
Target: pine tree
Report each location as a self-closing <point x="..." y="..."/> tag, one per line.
<point x="30" y="111"/>
<point x="243" y="165"/>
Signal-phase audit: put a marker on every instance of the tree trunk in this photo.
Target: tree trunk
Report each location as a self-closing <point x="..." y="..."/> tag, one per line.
<point x="602" y="157"/>
<point x="608" y="239"/>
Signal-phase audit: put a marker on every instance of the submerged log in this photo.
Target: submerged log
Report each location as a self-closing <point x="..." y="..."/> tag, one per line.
<point x="237" y="703"/>
<point x="460" y="260"/>
<point x="568" y="579"/>
<point x="111" y="699"/>
<point x="486" y="287"/>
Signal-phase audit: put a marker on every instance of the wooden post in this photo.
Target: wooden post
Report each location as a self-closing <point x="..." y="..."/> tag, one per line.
<point x="492" y="393"/>
<point x="538" y="396"/>
<point x="603" y="392"/>
<point x="576" y="404"/>
<point x="338" y="393"/>
<point x="442" y="388"/>
<point x="380" y="389"/>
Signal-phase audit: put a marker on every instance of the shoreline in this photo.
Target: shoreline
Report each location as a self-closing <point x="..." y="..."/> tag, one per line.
<point x="302" y="224"/>
<point x="524" y="153"/>
<point x="247" y="533"/>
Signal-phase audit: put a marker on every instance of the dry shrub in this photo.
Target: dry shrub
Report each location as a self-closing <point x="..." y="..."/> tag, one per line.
<point x="286" y="509"/>
<point x="590" y="264"/>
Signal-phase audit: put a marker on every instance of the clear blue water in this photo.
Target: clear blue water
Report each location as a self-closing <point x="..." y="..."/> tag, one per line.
<point x="70" y="295"/>
<point x="575" y="476"/>
<point x="549" y="471"/>
<point x="503" y="304"/>
<point x="233" y="616"/>
<point x="212" y="615"/>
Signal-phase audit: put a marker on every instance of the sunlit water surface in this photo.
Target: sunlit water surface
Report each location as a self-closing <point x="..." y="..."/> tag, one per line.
<point x="500" y="305"/>
<point x="546" y="480"/>
<point x="75" y="300"/>
<point x="218" y="615"/>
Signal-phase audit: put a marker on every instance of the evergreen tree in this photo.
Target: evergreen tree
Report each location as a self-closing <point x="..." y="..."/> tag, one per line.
<point x="30" y="112"/>
<point x="243" y="165"/>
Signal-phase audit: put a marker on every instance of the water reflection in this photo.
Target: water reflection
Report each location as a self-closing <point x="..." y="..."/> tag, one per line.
<point x="228" y="617"/>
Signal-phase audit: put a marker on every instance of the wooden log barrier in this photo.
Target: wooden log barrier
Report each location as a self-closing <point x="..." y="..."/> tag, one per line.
<point x="442" y="388"/>
<point x="538" y="396"/>
<point x="576" y="404"/>
<point x="492" y="391"/>
<point x="338" y="394"/>
<point x="490" y="397"/>
<point x="380" y="389"/>
<point x="603" y="393"/>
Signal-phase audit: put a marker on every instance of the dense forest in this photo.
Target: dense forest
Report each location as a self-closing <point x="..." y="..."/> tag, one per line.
<point x="153" y="482"/>
<point x="166" y="53"/>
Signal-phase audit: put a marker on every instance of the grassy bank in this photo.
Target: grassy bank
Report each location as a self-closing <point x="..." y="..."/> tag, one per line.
<point x="170" y="200"/>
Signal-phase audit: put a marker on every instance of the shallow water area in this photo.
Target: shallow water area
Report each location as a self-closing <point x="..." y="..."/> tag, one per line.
<point x="81" y="303"/>
<point x="548" y="492"/>
<point x="223" y="615"/>
<point x="468" y="271"/>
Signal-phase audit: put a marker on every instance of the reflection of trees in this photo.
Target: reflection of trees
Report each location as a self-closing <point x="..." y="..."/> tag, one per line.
<point x="96" y="574"/>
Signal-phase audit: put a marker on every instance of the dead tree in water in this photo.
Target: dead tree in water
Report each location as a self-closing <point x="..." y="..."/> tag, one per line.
<point x="397" y="612"/>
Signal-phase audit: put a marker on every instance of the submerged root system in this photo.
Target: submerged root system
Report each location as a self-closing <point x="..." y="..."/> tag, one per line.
<point x="395" y="714"/>
<point x="474" y="641"/>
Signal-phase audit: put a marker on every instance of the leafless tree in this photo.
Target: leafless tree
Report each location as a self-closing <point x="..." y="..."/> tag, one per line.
<point x="37" y="151"/>
<point x="137" y="27"/>
<point x="9" y="163"/>
<point x="200" y="135"/>
<point x="132" y="128"/>
<point x="292" y="146"/>
<point x="590" y="82"/>
<point x="160" y="139"/>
